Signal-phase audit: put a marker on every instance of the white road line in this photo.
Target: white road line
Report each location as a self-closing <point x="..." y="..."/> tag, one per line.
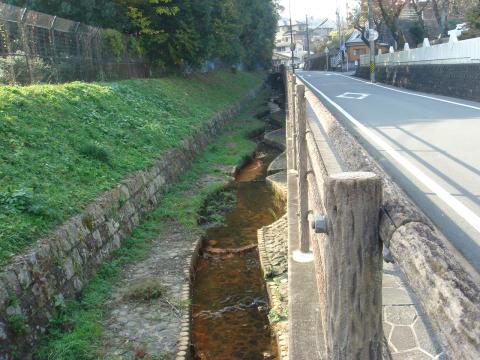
<point x="412" y="94"/>
<point x="468" y="215"/>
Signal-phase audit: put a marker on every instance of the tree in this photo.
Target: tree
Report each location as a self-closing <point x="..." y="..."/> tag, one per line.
<point x="473" y="21"/>
<point x="358" y="18"/>
<point x="441" y="11"/>
<point x="390" y="10"/>
<point x="181" y="33"/>
<point x="419" y="6"/>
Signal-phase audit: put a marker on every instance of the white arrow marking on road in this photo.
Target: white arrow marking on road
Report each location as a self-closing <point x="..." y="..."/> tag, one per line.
<point x="463" y="211"/>
<point x="356" y="96"/>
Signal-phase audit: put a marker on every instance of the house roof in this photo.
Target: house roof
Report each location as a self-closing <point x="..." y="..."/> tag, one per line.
<point x="355" y="38"/>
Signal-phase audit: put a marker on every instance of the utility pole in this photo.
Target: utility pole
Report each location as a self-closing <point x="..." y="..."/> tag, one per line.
<point x="371" y="39"/>
<point x="292" y="45"/>
<point x="339" y="30"/>
<point x="308" y="36"/>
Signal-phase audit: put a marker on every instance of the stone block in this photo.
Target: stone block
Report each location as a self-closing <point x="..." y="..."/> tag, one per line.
<point x="98" y="239"/>
<point x="403" y="338"/>
<point x="425" y="340"/>
<point x="116" y="243"/>
<point x="3" y="331"/>
<point x="68" y="268"/>
<point x="23" y="275"/>
<point x="400" y="315"/>
<point x="392" y="296"/>
<point x="411" y="355"/>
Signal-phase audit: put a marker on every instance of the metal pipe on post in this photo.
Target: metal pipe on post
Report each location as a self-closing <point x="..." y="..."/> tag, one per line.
<point x="289" y="122"/>
<point x="353" y="266"/>
<point x="25" y="45"/>
<point x="80" y="68"/>
<point x="6" y="39"/>
<point x="51" y="35"/>
<point x="292" y="44"/>
<point x="371" y="41"/>
<point x="293" y="122"/>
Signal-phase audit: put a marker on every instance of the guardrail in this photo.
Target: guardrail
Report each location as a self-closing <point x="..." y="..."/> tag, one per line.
<point x="340" y="213"/>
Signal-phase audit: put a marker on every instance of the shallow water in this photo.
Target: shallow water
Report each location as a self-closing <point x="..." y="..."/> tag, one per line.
<point x="230" y="303"/>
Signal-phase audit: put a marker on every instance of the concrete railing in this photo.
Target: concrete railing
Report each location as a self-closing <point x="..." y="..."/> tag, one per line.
<point x="341" y="213"/>
<point x="453" y="52"/>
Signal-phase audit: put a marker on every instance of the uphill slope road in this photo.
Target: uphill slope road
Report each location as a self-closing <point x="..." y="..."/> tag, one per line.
<point x="429" y="144"/>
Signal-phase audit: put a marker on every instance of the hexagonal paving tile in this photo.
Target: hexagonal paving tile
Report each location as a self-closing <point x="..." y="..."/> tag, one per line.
<point x="400" y="315"/>
<point x="425" y="341"/>
<point x="402" y="338"/>
<point x="411" y="355"/>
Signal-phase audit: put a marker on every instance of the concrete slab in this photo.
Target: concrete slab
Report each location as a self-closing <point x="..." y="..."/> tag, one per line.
<point x="278" y="164"/>
<point x="306" y="338"/>
<point x="276" y="139"/>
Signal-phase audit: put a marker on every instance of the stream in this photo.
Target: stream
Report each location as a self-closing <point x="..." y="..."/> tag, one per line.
<point x="230" y="302"/>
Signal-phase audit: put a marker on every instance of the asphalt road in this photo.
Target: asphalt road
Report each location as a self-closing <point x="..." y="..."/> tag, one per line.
<point x="429" y="144"/>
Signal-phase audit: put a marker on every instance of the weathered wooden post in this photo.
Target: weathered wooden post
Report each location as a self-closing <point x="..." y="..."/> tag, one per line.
<point x="353" y="266"/>
<point x="301" y="159"/>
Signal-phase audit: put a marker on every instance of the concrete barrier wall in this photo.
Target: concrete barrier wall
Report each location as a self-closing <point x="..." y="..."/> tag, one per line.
<point x="457" y="80"/>
<point x="453" y="52"/>
<point x="59" y="265"/>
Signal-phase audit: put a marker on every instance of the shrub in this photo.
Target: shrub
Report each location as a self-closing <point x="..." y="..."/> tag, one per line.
<point x="417" y="33"/>
<point x="113" y="41"/>
<point x="96" y="152"/>
<point x="473" y="21"/>
<point x="146" y="289"/>
<point x="17" y="325"/>
<point x="14" y="69"/>
<point x="135" y="48"/>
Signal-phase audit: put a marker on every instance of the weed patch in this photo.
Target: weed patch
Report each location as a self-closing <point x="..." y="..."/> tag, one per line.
<point x="216" y="205"/>
<point x="146" y="290"/>
<point x="96" y="152"/>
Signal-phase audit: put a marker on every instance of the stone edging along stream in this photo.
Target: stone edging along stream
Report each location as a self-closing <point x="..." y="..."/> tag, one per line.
<point x="59" y="264"/>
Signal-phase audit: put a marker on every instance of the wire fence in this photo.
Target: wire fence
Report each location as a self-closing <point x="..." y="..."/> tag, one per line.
<point x="36" y="47"/>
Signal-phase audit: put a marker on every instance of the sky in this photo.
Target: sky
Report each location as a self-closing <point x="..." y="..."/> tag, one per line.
<point x="317" y="8"/>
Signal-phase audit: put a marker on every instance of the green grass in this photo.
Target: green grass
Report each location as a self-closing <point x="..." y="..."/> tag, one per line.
<point x="61" y="145"/>
<point x="75" y="332"/>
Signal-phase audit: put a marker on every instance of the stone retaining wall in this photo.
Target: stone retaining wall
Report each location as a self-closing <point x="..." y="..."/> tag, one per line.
<point x="59" y="265"/>
<point x="458" y="80"/>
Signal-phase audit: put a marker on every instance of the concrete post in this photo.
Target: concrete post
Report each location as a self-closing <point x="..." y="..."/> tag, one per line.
<point x="302" y="156"/>
<point x="353" y="266"/>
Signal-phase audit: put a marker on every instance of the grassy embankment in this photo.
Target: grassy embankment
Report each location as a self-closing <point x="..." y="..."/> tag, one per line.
<point x="76" y="331"/>
<point x="61" y="145"/>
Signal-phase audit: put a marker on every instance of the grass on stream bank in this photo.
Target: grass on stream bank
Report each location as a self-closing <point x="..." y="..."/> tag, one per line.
<point x="75" y="333"/>
<point x="62" y="145"/>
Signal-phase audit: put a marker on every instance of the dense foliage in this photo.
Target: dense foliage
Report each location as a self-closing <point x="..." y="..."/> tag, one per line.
<point x="61" y="145"/>
<point x="473" y="21"/>
<point x="181" y="33"/>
